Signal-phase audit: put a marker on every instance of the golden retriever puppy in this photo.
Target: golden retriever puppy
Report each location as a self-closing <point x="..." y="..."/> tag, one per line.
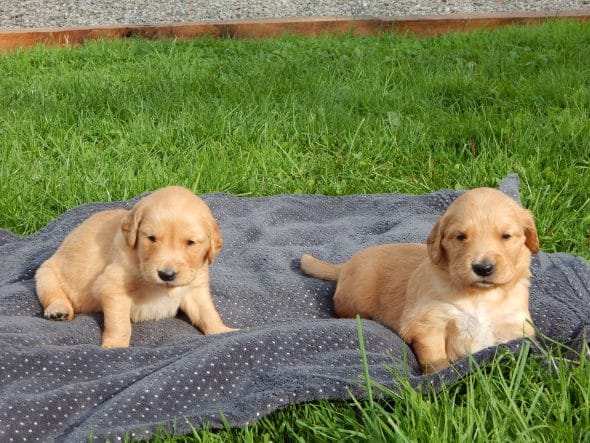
<point x="465" y="290"/>
<point x="136" y="265"/>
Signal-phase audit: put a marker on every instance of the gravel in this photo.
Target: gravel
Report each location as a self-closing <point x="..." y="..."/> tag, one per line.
<point x="68" y="13"/>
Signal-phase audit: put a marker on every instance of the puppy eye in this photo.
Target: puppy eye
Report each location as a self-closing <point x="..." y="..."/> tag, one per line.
<point x="506" y="237"/>
<point x="152" y="238"/>
<point x="190" y="242"/>
<point x="461" y="237"/>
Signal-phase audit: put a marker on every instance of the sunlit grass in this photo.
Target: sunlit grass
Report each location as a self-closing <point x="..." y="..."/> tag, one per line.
<point x="330" y="115"/>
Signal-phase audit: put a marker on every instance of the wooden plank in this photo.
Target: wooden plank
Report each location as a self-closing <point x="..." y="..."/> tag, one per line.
<point x="310" y="26"/>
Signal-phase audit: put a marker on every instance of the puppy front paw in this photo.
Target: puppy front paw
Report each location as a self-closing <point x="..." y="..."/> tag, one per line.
<point x="220" y="330"/>
<point x="110" y="343"/>
<point x="429" y="367"/>
<point x="59" y="310"/>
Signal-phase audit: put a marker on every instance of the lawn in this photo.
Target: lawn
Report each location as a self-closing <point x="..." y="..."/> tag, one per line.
<point x="329" y="115"/>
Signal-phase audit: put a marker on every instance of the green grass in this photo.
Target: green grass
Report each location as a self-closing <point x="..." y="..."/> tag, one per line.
<point x="330" y="115"/>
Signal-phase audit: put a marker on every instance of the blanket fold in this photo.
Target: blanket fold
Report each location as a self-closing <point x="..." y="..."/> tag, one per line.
<point x="57" y="384"/>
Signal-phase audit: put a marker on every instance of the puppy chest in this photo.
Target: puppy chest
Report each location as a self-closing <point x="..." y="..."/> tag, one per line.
<point x="479" y="327"/>
<point x="154" y="305"/>
<point x="472" y="331"/>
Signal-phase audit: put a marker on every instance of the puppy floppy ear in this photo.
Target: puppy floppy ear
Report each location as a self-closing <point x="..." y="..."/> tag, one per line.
<point x="434" y="243"/>
<point x="130" y="225"/>
<point x="215" y="241"/>
<point x="530" y="231"/>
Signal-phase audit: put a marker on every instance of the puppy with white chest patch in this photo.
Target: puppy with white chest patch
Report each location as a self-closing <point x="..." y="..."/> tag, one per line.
<point x="136" y="265"/>
<point x="465" y="290"/>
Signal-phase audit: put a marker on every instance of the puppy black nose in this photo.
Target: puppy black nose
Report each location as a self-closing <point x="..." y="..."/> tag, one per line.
<point x="166" y="274"/>
<point x="483" y="269"/>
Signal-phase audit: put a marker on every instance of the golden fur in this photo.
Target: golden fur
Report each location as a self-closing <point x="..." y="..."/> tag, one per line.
<point x="467" y="289"/>
<point x="136" y="265"/>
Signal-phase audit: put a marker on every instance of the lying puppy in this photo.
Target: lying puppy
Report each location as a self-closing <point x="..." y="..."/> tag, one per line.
<point x="466" y="289"/>
<point x="142" y="264"/>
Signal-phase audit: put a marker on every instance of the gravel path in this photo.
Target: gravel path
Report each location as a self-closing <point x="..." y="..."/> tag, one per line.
<point x="60" y="13"/>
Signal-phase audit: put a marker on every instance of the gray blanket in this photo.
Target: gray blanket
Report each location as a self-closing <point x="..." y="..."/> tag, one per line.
<point x="56" y="383"/>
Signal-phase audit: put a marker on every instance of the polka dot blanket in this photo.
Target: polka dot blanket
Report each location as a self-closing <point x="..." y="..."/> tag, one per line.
<point x="58" y="384"/>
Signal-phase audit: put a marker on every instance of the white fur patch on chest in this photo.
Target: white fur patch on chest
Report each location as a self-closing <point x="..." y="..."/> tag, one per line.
<point x="155" y="304"/>
<point x="475" y="331"/>
<point x="484" y="322"/>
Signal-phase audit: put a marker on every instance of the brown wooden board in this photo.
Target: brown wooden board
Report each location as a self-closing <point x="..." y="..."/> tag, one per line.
<point x="414" y="25"/>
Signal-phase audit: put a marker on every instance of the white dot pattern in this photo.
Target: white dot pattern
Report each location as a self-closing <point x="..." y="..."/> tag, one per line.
<point x="56" y="383"/>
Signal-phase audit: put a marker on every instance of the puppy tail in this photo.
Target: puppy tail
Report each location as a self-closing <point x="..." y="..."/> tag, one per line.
<point x="320" y="269"/>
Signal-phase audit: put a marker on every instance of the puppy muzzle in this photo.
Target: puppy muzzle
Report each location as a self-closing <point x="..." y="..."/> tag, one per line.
<point x="167" y="275"/>
<point x="483" y="268"/>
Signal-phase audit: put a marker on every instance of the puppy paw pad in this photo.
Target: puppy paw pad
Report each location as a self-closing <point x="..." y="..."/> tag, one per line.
<point x="59" y="312"/>
<point x="56" y="315"/>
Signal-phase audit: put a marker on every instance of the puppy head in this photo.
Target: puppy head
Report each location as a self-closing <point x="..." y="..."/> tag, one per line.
<point x="173" y="234"/>
<point x="484" y="240"/>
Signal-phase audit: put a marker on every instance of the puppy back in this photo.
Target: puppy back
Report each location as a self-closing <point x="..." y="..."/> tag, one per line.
<point x="320" y="269"/>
